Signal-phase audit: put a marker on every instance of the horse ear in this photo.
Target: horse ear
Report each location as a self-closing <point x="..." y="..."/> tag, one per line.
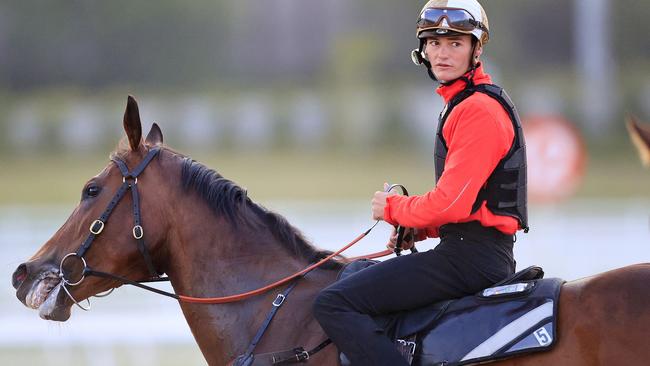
<point x="155" y="136"/>
<point x="132" y="125"/>
<point x="640" y="135"/>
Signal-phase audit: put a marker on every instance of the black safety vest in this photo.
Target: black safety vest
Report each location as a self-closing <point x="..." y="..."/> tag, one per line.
<point x="506" y="188"/>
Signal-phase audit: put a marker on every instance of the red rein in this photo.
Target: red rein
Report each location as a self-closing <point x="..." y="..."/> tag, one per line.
<point x="245" y="295"/>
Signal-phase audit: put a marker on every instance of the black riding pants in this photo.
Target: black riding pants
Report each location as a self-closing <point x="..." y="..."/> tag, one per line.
<point x="468" y="259"/>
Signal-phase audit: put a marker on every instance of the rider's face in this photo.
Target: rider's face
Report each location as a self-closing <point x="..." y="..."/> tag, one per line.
<point x="450" y="56"/>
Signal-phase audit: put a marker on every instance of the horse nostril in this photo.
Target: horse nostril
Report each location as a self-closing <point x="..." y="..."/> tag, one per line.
<point x="19" y="276"/>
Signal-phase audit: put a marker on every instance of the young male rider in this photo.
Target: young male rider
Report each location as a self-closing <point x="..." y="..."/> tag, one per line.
<point x="476" y="206"/>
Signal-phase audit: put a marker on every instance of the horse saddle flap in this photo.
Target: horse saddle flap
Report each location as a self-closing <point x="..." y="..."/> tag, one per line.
<point x="499" y="322"/>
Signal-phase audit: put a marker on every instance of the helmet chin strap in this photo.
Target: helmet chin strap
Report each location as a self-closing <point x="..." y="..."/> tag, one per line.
<point x="419" y="59"/>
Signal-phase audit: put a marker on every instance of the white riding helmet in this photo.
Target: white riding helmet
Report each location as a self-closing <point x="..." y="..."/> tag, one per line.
<point x="440" y="17"/>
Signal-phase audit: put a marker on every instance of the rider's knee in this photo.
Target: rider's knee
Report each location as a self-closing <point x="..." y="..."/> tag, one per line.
<point x="325" y="303"/>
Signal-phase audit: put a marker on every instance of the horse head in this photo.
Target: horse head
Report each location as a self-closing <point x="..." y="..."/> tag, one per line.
<point x="40" y="282"/>
<point x="640" y="135"/>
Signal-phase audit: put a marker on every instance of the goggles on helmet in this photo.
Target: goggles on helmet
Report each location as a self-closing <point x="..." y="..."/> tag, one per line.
<point x="457" y="19"/>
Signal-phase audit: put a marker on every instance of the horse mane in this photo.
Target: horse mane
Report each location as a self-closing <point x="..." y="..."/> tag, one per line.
<point x="228" y="200"/>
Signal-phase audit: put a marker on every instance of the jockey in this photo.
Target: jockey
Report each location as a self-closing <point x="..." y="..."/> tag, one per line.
<point x="477" y="205"/>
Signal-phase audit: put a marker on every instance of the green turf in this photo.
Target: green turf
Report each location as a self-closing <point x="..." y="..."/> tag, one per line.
<point x="59" y="178"/>
<point x="277" y="175"/>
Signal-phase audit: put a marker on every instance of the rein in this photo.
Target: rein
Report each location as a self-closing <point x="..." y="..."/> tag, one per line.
<point x="245" y="295"/>
<point x="237" y="297"/>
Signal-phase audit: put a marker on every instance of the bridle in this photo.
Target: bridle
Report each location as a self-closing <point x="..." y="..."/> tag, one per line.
<point x="129" y="181"/>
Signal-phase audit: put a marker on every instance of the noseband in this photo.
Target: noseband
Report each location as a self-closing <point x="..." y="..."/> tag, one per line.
<point x="129" y="181"/>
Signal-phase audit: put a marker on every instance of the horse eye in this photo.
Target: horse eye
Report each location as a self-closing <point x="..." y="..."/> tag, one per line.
<point x="91" y="191"/>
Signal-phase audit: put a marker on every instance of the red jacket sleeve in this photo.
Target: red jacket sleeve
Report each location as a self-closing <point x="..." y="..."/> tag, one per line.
<point x="476" y="143"/>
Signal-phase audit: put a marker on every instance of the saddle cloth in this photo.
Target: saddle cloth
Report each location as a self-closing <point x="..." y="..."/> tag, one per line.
<point x="515" y="316"/>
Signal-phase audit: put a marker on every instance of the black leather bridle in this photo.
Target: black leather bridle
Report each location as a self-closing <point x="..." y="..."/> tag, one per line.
<point x="129" y="181"/>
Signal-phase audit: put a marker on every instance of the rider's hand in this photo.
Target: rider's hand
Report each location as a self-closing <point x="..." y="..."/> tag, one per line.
<point x="379" y="203"/>
<point x="407" y="243"/>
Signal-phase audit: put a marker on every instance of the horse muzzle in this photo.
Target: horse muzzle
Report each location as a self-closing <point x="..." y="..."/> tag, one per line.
<point x="41" y="289"/>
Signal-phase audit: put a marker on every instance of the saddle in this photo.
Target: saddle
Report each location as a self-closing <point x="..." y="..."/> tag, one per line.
<point x="515" y="316"/>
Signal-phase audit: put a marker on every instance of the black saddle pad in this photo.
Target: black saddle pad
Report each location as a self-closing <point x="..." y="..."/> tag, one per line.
<point x="499" y="322"/>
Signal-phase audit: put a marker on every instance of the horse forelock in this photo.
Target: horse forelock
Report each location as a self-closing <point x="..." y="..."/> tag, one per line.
<point x="123" y="149"/>
<point x="227" y="199"/>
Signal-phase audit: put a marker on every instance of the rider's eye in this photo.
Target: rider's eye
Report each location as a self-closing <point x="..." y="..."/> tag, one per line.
<point x="91" y="191"/>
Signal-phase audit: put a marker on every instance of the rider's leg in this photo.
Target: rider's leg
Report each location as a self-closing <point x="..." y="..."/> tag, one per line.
<point x="457" y="267"/>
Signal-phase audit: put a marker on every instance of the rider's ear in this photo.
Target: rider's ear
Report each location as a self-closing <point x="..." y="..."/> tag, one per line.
<point x="154" y="137"/>
<point x="477" y="53"/>
<point x="132" y="125"/>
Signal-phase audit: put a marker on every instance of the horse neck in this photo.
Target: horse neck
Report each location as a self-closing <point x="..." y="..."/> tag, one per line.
<point x="214" y="259"/>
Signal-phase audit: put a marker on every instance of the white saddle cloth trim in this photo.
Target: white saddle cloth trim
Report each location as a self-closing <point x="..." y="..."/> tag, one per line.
<point x="511" y="331"/>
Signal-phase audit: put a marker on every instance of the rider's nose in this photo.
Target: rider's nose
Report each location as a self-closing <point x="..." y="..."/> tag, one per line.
<point x="443" y="54"/>
<point x="19" y="276"/>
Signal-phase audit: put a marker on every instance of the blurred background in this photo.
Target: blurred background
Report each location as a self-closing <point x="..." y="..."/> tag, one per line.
<point x="311" y="105"/>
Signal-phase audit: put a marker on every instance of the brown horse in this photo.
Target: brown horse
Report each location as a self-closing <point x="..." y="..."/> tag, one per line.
<point x="212" y="240"/>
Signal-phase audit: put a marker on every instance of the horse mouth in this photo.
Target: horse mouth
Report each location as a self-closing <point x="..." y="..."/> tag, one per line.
<point x="46" y="296"/>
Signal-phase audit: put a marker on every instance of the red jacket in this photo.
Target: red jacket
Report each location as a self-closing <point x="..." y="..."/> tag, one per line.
<point x="478" y="133"/>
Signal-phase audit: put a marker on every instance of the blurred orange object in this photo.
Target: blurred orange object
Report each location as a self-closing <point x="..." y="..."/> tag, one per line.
<point x="556" y="158"/>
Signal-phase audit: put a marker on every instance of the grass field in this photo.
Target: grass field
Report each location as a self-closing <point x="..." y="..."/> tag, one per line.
<point x="612" y="172"/>
<point x="276" y="175"/>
